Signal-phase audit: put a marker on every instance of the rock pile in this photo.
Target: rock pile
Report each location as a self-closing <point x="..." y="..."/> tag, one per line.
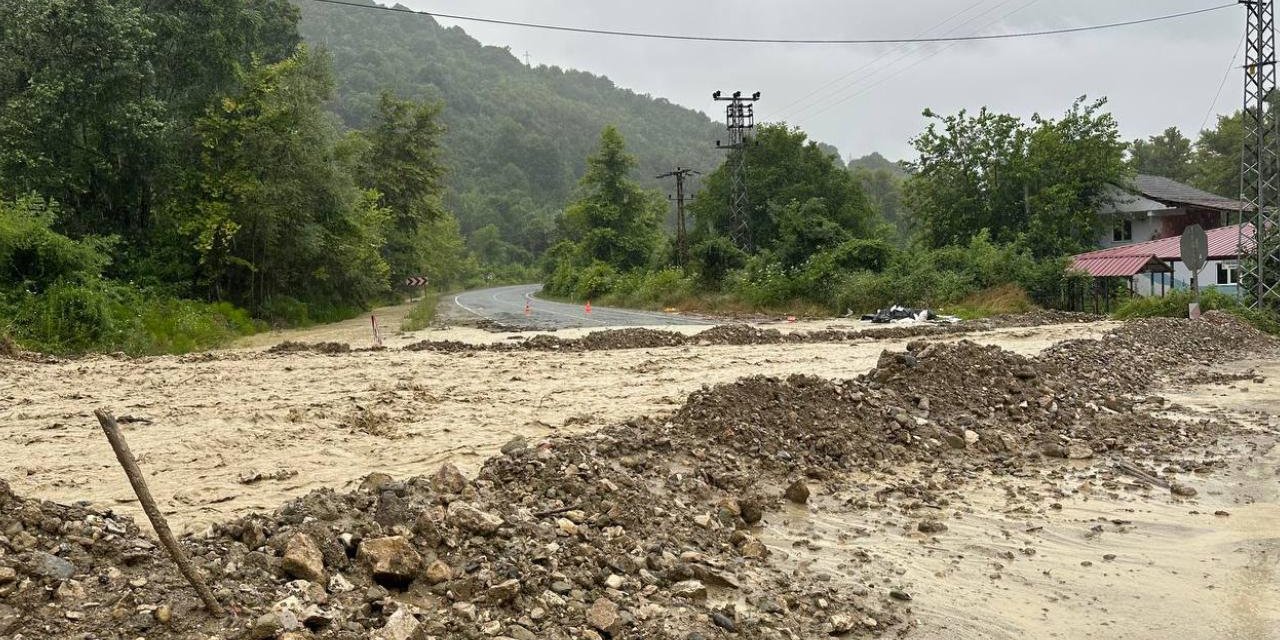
<point x="740" y="335"/>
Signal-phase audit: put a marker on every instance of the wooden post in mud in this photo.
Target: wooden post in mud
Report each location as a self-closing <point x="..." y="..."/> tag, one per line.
<point x="158" y="522"/>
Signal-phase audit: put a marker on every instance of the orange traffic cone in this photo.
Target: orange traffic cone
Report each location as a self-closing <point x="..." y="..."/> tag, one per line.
<point x="528" y="310"/>
<point x="588" y="307"/>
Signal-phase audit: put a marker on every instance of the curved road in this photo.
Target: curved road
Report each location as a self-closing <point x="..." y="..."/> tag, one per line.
<point x="507" y="306"/>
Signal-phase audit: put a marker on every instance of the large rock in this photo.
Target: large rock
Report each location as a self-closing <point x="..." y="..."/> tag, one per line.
<point x="467" y="517"/>
<point x="690" y="589"/>
<point x="400" y="626"/>
<point x="798" y="492"/>
<point x="303" y="559"/>
<point x="393" y="561"/>
<point x="439" y="572"/>
<point x="448" y="479"/>
<point x="603" y="615"/>
<point x="46" y="565"/>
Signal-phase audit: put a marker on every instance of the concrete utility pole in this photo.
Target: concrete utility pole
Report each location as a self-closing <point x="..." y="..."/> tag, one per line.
<point x="1259" y="182"/>
<point x="682" y="238"/>
<point x="740" y="120"/>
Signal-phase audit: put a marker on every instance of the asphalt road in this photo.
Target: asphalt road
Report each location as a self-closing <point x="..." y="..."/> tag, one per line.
<point x="507" y="306"/>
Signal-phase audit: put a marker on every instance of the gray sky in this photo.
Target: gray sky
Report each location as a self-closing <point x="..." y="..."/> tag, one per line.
<point x="1155" y="75"/>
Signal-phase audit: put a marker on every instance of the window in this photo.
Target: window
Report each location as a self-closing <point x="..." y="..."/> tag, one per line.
<point x="1228" y="273"/>
<point x="1123" y="231"/>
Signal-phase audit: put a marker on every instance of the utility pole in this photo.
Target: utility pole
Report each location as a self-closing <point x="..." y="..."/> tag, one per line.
<point x="740" y="120"/>
<point x="682" y="239"/>
<point x="526" y="60"/>
<point x="1260" y="254"/>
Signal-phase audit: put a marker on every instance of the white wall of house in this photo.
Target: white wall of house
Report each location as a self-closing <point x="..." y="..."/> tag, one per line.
<point x="1181" y="279"/>
<point x="1144" y="228"/>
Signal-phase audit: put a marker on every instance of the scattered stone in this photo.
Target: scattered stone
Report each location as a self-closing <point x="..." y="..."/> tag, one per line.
<point x="1182" y="490"/>
<point x="931" y="526"/>
<point x="603" y="615"/>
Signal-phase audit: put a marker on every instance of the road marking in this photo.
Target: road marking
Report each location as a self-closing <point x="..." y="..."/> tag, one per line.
<point x="473" y="311"/>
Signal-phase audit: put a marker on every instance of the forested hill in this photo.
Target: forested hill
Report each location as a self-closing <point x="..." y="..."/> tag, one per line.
<point x="516" y="136"/>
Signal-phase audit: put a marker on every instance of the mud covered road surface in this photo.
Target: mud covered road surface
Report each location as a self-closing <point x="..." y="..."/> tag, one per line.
<point x="1068" y="481"/>
<point x="233" y="432"/>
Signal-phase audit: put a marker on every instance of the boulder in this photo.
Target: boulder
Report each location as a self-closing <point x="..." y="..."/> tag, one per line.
<point x="303" y="559"/>
<point x="448" y="480"/>
<point x="393" y="561"/>
<point x="469" y="518"/>
<point x="798" y="492"/>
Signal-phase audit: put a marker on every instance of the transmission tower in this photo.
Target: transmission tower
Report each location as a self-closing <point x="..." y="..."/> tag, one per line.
<point x="682" y="239"/>
<point x="1260" y="253"/>
<point x="740" y="120"/>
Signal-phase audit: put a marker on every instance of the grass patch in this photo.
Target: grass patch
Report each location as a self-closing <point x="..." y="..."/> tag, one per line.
<point x="1002" y="300"/>
<point x="422" y="313"/>
<point x="1176" y="304"/>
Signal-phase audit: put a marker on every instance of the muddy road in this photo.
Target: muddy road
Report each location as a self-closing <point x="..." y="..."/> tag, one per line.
<point x="207" y="426"/>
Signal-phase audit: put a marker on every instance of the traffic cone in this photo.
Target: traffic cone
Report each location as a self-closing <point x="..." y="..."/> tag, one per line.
<point x="528" y="310"/>
<point x="588" y="307"/>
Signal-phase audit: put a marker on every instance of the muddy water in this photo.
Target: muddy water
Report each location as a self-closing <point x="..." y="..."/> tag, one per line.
<point x="1110" y="563"/>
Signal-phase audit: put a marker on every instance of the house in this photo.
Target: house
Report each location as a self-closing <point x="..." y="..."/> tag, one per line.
<point x="1141" y="242"/>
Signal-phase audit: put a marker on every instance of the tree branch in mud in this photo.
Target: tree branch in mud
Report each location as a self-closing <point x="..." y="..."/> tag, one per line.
<point x="134" y="473"/>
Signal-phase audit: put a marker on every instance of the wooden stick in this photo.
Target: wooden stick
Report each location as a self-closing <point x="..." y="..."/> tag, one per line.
<point x="158" y="522"/>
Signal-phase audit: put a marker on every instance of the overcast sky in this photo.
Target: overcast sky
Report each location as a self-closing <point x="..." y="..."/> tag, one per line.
<point x="869" y="97"/>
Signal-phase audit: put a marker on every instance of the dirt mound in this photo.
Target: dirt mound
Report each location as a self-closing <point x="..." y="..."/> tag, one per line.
<point x="632" y="338"/>
<point x="738" y="334"/>
<point x="1041" y="317"/>
<point x="289" y="346"/>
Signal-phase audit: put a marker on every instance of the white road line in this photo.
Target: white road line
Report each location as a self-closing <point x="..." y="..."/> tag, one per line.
<point x="469" y="309"/>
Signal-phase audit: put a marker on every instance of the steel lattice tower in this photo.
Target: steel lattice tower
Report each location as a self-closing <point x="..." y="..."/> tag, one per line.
<point x="1260" y="252"/>
<point x="740" y="120"/>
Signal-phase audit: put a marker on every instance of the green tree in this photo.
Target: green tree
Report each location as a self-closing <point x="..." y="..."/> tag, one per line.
<point x="613" y="220"/>
<point x="1168" y="155"/>
<point x="1215" y="166"/>
<point x="402" y="163"/>
<point x="785" y="170"/>
<point x="279" y="213"/>
<point x="79" y="119"/>
<point x="612" y="227"/>
<point x="1042" y="181"/>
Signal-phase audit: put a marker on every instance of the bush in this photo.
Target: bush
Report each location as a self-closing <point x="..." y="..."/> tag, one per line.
<point x="103" y="316"/>
<point x="649" y="289"/>
<point x="33" y="256"/>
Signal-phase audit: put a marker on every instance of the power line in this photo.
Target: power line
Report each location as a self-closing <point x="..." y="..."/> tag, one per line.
<point x="884" y="79"/>
<point x="907" y="52"/>
<point x="803" y="98"/>
<point x="1218" y="96"/>
<point x="745" y="40"/>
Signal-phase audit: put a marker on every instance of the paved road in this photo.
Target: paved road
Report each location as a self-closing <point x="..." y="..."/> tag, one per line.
<point x="507" y="305"/>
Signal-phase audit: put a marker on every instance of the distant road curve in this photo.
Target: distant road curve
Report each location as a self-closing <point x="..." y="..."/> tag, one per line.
<point x="507" y="306"/>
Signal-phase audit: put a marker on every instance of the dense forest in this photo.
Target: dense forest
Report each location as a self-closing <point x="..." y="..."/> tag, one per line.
<point x="515" y="136"/>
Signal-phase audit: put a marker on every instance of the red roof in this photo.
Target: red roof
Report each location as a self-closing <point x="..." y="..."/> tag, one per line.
<point x="1118" y="266"/>
<point x="1223" y="243"/>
